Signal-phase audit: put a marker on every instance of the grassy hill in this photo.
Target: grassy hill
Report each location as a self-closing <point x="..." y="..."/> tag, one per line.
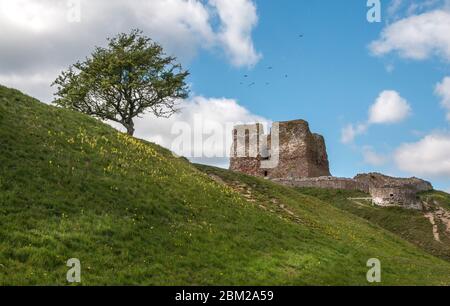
<point x="411" y="225"/>
<point x="72" y="187"/>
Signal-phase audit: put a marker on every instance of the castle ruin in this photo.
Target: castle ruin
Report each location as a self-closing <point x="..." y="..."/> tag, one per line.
<point x="291" y="155"/>
<point x="289" y="151"/>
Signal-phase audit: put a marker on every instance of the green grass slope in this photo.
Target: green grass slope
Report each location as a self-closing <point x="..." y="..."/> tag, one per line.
<point x="72" y="187"/>
<point x="411" y="225"/>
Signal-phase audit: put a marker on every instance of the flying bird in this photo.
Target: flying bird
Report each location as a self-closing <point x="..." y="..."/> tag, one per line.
<point x="251" y="84"/>
<point x="270" y="67"/>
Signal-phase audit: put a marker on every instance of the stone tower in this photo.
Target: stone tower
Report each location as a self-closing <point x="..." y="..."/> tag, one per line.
<point x="297" y="153"/>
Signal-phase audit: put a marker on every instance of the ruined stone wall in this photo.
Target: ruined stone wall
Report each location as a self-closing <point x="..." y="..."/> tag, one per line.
<point x="393" y="191"/>
<point x="320" y="165"/>
<point x="377" y="180"/>
<point x="247" y="165"/>
<point x="245" y="152"/>
<point x="327" y="182"/>
<point x="396" y="196"/>
<point x="384" y="190"/>
<point x="300" y="153"/>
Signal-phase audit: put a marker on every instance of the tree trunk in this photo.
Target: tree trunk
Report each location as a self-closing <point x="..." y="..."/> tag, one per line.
<point x="130" y="131"/>
<point x="130" y="127"/>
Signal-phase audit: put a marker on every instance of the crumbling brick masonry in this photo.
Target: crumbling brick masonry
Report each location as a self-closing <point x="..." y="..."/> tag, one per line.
<point x="298" y="153"/>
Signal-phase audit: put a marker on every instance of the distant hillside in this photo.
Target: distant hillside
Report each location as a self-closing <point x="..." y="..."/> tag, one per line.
<point x="412" y="225"/>
<point x="72" y="187"/>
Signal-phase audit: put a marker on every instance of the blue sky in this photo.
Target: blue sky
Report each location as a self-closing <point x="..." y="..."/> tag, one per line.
<point x="332" y="81"/>
<point x="378" y="92"/>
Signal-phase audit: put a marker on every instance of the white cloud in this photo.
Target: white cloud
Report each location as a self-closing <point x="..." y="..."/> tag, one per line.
<point x="417" y="7"/>
<point x="389" y="107"/>
<point x="443" y="90"/>
<point x="373" y="158"/>
<point x="428" y="157"/>
<point x="35" y="84"/>
<point x="199" y="117"/>
<point x="394" y="7"/>
<point x="397" y="8"/>
<point x="37" y="38"/>
<point x="350" y="132"/>
<point x="416" y="37"/>
<point x="238" y="19"/>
